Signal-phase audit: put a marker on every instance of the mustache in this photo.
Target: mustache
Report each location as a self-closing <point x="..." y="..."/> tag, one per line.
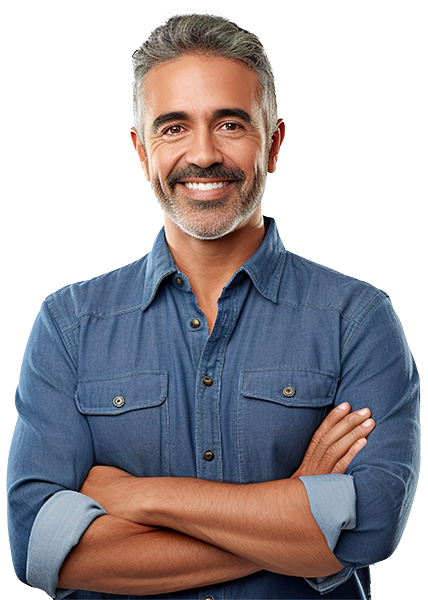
<point x="212" y="172"/>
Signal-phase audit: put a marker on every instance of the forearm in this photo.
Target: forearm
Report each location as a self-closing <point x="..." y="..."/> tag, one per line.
<point x="268" y="523"/>
<point x="120" y="557"/>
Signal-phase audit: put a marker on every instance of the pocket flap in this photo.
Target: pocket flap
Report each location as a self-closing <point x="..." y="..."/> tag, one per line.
<point x="122" y="393"/>
<point x="291" y="387"/>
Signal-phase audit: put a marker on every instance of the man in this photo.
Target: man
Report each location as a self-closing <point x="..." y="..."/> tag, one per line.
<point x="195" y="424"/>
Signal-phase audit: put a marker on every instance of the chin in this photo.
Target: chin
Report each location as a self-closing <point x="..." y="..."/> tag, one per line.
<point x="214" y="229"/>
<point x="207" y="233"/>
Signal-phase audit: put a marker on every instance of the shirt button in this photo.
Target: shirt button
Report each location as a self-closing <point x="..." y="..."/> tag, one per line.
<point x="207" y="380"/>
<point x="118" y="401"/>
<point x="289" y="391"/>
<point x="208" y="455"/>
<point x="195" y="323"/>
<point x="179" y="281"/>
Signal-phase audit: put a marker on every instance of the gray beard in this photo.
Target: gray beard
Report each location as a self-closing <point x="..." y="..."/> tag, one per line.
<point x="228" y="213"/>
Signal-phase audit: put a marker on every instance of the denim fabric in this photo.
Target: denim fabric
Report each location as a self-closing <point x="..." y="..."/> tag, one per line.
<point x="282" y="321"/>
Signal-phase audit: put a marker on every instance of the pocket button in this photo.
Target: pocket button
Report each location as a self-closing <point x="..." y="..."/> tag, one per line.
<point x="289" y="391"/>
<point x="118" y="401"/>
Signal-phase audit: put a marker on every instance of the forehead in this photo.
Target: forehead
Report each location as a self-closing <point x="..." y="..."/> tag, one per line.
<point x="200" y="86"/>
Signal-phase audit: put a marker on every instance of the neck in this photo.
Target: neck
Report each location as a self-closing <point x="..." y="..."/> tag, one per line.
<point x="209" y="264"/>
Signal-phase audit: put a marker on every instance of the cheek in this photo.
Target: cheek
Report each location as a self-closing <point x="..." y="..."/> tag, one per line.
<point x="163" y="161"/>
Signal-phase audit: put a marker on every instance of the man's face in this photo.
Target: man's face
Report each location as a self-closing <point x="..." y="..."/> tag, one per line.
<point x="206" y="153"/>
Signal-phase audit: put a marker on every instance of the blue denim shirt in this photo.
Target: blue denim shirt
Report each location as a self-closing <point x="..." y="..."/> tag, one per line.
<point x="115" y="374"/>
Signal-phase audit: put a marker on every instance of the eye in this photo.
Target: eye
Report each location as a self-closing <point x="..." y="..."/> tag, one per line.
<point x="231" y="126"/>
<point x="173" y="130"/>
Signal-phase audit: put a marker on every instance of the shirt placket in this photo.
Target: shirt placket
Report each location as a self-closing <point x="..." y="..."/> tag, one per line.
<point x="209" y="463"/>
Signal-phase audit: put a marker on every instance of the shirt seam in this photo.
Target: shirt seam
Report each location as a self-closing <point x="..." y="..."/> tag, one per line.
<point x="54" y="313"/>
<point x="294" y="369"/>
<point x="366" y="311"/>
<point x="324" y="308"/>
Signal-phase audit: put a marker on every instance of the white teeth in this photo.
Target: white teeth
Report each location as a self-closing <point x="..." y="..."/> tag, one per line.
<point x="205" y="186"/>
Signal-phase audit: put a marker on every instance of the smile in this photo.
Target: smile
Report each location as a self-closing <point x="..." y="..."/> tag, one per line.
<point x="215" y="185"/>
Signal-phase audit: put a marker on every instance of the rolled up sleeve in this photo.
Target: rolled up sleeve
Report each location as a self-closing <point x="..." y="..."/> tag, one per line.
<point x="58" y="527"/>
<point x="51" y="454"/>
<point x="332" y="501"/>
<point x="379" y="372"/>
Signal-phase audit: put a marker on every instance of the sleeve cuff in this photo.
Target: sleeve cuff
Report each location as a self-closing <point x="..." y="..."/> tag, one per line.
<point x="323" y="585"/>
<point x="333" y="504"/>
<point x="332" y="499"/>
<point x="58" y="527"/>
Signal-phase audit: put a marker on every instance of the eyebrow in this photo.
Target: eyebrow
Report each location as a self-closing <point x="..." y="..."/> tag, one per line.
<point x="233" y="112"/>
<point x="166" y="118"/>
<point x="182" y="116"/>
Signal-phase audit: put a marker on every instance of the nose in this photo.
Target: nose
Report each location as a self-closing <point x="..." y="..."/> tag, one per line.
<point x="203" y="150"/>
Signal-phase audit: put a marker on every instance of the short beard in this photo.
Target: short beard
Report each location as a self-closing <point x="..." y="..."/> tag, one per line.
<point x="229" y="215"/>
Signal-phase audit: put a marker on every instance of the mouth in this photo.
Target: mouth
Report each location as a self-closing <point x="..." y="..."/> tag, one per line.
<point x="206" y="189"/>
<point x="201" y="186"/>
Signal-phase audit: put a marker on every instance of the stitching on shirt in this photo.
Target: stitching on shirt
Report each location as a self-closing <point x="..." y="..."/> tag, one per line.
<point x="335" y="308"/>
<point x="305" y="262"/>
<point x="291" y="368"/>
<point x="127" y="375"/>
<point x="56" y="316"/>
<point x="378" y="297"/>
<point x="367" y="310"/>
<point x="121" y="311"/>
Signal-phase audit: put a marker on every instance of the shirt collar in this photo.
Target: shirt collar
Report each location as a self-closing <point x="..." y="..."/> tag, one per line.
<point x="160" y="264"/>
<point x="264" y="267"/>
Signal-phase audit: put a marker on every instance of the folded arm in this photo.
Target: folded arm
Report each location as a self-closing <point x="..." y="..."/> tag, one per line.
<point x="262" y="526"/>
<point x="117" y="556"/>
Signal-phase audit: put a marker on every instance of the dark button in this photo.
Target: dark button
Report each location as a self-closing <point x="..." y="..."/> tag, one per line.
<point x="195" y="323"/>
<point x="208" y="455"/>
<point x="118" y="401"/>
<point x="289" y="391"/>
<point x="179" y="281"/>
<point x="207" y="380"/>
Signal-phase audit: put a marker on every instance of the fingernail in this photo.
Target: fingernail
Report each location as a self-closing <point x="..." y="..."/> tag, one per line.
<point x="364" y="411"/>
<point x="343" y="406"/>
<point x="368" y="423"/>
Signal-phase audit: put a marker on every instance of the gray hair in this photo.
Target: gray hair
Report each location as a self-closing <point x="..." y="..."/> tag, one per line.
<point x="209" y="35"/>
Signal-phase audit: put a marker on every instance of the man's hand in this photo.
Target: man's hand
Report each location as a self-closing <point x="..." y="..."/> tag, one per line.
<point x="337" y="441"/>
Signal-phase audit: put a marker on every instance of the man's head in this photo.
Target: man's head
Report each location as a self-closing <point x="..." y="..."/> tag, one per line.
<point x="206" y="128"/>
<point x="205" y="35"/>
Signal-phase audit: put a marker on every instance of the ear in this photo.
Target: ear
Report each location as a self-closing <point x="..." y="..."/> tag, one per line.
<point x="138" y="145"/>
<point x="277" y="140"/>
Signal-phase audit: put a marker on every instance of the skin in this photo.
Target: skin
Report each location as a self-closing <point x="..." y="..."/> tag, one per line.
<point x="169" y="534"/>
<point x="201" y="140"/>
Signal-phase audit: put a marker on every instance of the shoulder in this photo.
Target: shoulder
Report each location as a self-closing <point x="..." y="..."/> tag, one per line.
<point x="309" y="284"/>
<point x="103" y="296"/>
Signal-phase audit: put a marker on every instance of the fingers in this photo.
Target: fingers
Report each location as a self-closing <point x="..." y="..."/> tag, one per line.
<point x="337" y="424"/>
<point x="348" y="424"/>
<point x="339" y="446"/>
<point x="337" y="441"/>
<point x="343" y="463"/>
<point x="334" y="417"/>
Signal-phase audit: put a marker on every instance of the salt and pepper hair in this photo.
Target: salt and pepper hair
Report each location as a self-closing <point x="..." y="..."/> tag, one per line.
<point x="210" y="36"/>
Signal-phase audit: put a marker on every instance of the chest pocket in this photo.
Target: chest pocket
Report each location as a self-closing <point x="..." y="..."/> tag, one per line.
<point x="278" y="412"/>
<point x="128" y="417"/>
